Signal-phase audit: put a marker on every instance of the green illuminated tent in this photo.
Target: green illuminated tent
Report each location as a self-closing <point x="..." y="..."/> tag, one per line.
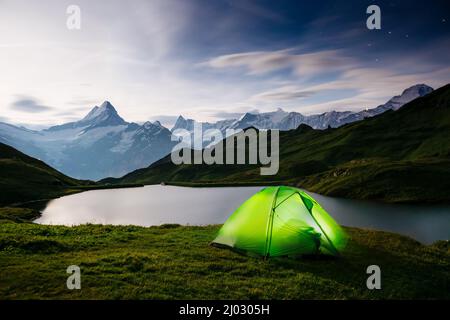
<point x="281" y="221"/>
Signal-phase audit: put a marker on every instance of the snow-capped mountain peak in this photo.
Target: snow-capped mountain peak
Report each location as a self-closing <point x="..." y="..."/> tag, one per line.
<point x="182" y="123"/>
<point x="278" y="115"/>
<point x="105" y="115"/>
<point x="153" y="126"/>
<point x="416" y="91"/>
<point x="148" y="124"/>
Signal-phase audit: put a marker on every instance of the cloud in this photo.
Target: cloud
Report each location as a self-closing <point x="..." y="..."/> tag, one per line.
<point x="384" y="84"/>
<point x="71" y="113"/>
<point x="232" y="113"/>
<point x="29" y="104"/>
<point x="301" y="64"/>
<point x="227" y="115"/>
<point x="353" y="90"/>
<point x="285" y="93"/>
<point x="83" y="102"/>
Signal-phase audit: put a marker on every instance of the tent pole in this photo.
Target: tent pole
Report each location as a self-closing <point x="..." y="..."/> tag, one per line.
<point x="312" y="216"/>
<point x="270" y="226"/>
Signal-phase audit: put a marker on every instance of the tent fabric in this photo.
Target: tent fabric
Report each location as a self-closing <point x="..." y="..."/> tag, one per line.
<point x="280" y="221"/>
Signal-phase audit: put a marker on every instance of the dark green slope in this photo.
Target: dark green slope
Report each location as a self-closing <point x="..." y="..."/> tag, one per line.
<point x="23" y="178"/>
<point x="397" y="156"/>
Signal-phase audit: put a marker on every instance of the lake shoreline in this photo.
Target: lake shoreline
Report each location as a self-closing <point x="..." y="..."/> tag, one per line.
<point x="296" y="185"/>
<point x="33" y="210"/>
<point x="161" y="204"/>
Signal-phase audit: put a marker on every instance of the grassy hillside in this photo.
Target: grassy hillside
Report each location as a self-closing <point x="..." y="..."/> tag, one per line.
<point x="174" y="262"/>
<point x="399" y="156"/>
<point x="23" y="178"/>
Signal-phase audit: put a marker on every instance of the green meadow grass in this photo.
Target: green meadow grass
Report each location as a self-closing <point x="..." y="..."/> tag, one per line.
<point x="176" y="262"/>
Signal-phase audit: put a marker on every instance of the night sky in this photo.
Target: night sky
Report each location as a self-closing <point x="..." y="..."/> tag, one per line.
<point x="214" y="59"/>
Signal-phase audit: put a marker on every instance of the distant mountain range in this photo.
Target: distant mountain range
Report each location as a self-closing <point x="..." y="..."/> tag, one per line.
<point x="283" y="120"/>
<point x="103" y="144"/>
